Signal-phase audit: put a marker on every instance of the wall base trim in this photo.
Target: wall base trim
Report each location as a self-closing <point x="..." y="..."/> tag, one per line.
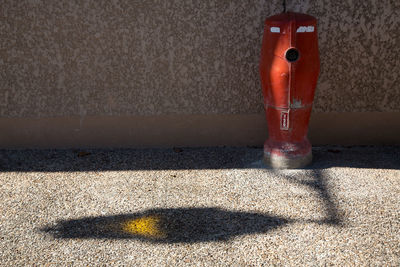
<point x="369" y="128"/>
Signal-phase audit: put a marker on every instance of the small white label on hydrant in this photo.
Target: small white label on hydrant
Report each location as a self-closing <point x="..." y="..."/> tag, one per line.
<point x="275" y="29"/>
<point x="305" y="29"/>
<point x="285" y="120"/>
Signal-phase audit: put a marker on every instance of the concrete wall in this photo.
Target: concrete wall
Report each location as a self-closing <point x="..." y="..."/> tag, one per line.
<point x="184" y="73"/>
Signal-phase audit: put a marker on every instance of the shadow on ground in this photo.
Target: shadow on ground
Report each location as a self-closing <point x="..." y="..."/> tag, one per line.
<point x="186" y="158"/>
<point x="182" y="225"/>
<point x="191" y="225"/>
<point x="317" y="182"/>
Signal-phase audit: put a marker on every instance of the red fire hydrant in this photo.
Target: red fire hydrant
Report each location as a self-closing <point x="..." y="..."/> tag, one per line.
<point x="289" y="70"/>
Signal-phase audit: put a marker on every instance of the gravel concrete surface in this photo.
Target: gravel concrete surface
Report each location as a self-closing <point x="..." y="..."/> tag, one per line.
<point x="199" y="206"/>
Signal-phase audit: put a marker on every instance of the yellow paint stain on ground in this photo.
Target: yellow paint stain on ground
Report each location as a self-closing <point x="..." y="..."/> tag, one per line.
<point x="148" y="226"/>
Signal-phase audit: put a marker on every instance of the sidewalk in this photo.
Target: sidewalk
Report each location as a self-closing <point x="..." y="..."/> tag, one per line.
<point x="199" y="206"/>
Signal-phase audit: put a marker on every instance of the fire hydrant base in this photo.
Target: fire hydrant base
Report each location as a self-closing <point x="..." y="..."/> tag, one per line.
<point x="284" y="162"/>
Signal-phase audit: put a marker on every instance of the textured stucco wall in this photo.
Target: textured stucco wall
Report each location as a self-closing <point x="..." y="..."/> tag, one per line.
<point x="360" y="54"/>
<point x="122" y="73"/>
<point x="61" y="58"/>
<point x="78" y="58"/>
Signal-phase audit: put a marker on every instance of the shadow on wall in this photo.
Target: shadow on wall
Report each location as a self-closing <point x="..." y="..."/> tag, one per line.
<point x="191" y="225"/>
<point x="186" y="158"/>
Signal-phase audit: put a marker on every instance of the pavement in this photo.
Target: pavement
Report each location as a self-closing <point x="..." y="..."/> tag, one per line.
<point x="199" y="206"/>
